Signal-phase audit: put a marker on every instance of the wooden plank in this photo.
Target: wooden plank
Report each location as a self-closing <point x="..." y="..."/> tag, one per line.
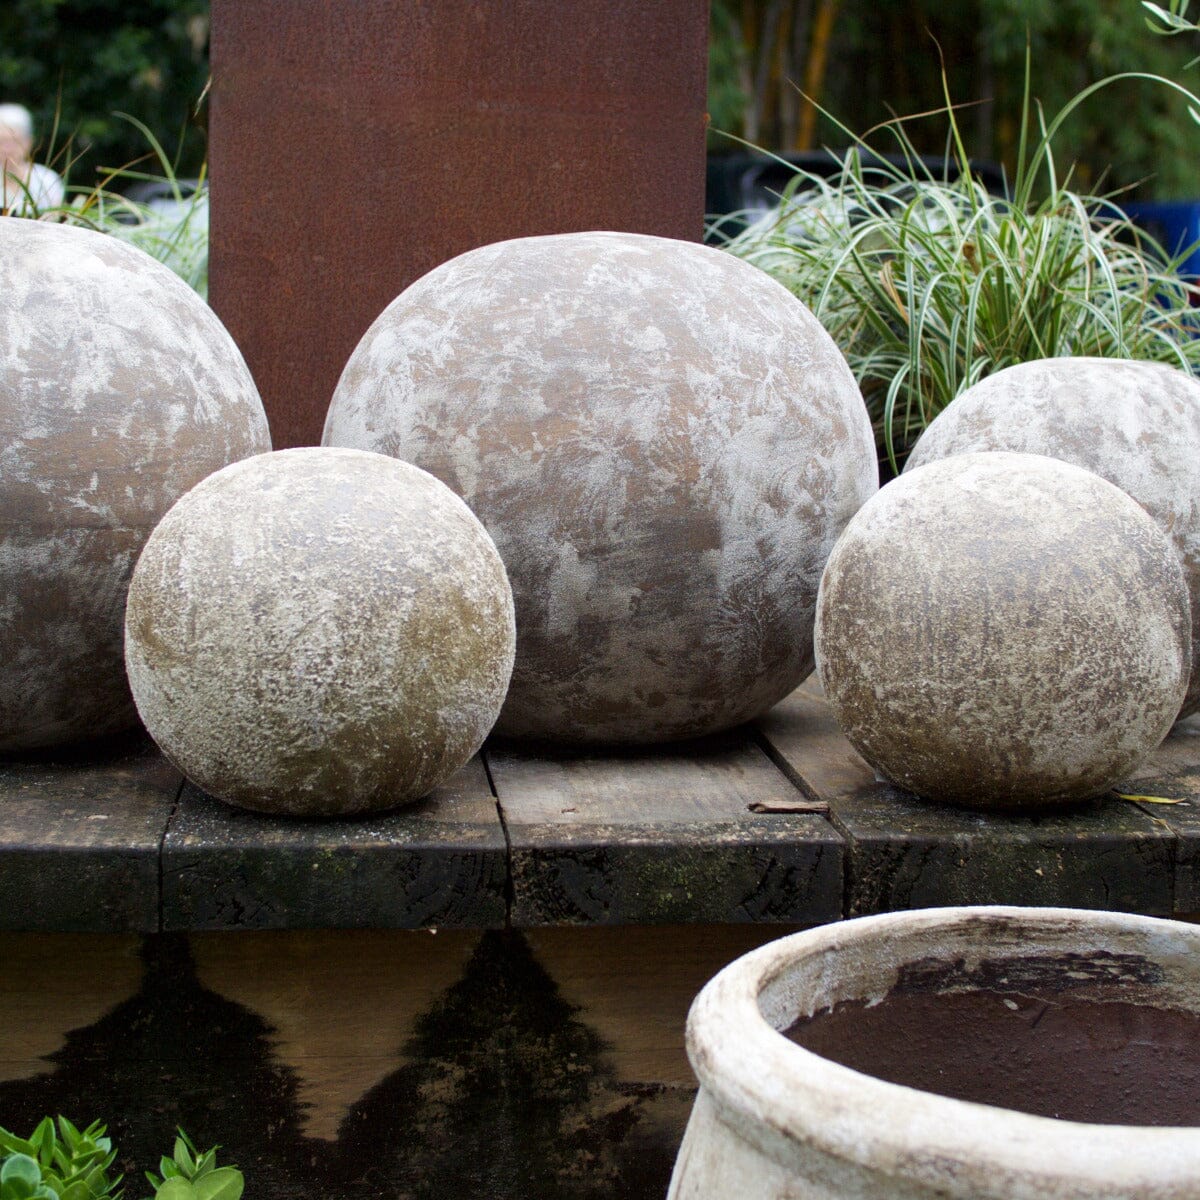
<point x="52" y="984"/>
<point x="908" y="853"/>
<point x="662" y="834"/>
<point x="374" y="1064"/>
<point x="440" y="862"/>
<point x="634" y="985"/>
<point x="80" y="832"/>
<point x="1173" y="773"/>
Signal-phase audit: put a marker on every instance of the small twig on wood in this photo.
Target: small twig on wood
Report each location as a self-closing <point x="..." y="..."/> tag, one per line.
<point x="790" y="806"/>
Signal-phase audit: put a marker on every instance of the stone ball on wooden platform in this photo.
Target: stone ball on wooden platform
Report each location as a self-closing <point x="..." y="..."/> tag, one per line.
<point x="1003" y="630"/>
<point x="119" y="390"/>
<point x="663" y="442"/>
<point x="319" y="632"/>
<point x="1137" y="424"/>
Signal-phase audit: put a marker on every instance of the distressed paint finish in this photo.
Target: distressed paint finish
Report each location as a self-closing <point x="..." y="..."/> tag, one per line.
<point x="664" y="444"/>
<point x="357" y="144"/>
<point x="319" y="632"/>
<point x="1002" y="630"/>
<point x="119" y="390"/>
<point x="776" y="1122"/>
<point x="1137" y="424"/>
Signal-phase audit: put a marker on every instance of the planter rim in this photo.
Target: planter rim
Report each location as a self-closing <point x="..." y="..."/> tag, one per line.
<point x="788" y="1101"/>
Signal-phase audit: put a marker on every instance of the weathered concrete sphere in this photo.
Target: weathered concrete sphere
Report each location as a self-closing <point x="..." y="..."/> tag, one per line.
<point x="1137" y="424"/>
<point x="318" y="632"/>
<point x="664" y="444"/>
<point x="119" y="390"/>
<point x="1003" y="629"/>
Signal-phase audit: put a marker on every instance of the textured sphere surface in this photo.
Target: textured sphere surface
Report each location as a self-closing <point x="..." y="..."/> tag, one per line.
<point x="319" y="632"/>
<point x="119" y="390"/>
<point x="1003" y="629"/>
<point x="1137" y="424"/>
<point x="664" y="444"/>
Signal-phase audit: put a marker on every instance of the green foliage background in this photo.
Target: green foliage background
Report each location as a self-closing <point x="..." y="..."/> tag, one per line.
<point x="884" y="60"/>
<point x="89" y="59"/>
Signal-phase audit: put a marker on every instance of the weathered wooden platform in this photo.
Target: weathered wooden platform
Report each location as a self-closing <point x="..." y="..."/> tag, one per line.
<point x="777" y="822"/>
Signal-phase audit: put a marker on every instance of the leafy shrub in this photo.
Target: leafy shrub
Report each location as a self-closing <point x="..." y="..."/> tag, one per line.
<point x="60" y="1162"/>
<point x="928" y="284"/>
<point x="72" y="1164"/>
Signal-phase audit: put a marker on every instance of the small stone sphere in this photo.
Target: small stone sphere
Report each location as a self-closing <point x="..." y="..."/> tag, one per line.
<point x="1137" y="424"/>
<point x="664" y="443"/>
<point x="319" y="632"/>
<point x="999" y="630"/>
<point x="119" y="390"/>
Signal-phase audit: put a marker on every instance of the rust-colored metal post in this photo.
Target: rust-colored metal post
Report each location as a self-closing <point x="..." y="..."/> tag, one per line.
<point x="356" y="144"/>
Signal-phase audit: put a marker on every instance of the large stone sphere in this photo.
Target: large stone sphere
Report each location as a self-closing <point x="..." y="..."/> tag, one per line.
<point x="1135" y="423"/>
<point x="664" y="444"/>
<point x="119" y="390"/>
<point x="319" y="632"/>
<point x="1003" y="629"/>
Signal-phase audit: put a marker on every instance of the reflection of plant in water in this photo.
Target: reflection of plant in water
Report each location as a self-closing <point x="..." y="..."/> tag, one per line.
<point x="929" y="283"/>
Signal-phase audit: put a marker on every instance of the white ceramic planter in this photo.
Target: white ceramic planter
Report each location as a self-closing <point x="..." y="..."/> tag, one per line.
<point x="773" y="1121"/>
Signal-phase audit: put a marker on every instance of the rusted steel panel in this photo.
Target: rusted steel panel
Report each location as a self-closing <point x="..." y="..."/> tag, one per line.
<point x="356" y="144"/>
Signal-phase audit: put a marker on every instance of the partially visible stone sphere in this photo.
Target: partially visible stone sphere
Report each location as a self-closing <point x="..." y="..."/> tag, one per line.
<point x="318" y="632"/>
<point x="664" y="444"/>
<point x="1003" y="629"/>
<point x="119" y="390"/>
<point x="1137" y="424"/>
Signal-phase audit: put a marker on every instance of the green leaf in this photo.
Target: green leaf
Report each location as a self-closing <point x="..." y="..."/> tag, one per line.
<point x="21" y="1174"/>
<point x="177" y="1188"/>
<point x="225" y="1183"/>
<point x="69" y="1133"/>
<point x="16" y="1145"/>
<point x="43" y="1138"/>
<point x="187" y="1164"/>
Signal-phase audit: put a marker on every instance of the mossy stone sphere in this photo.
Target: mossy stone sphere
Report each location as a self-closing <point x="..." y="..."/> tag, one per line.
<point x="1003" y="630"/>
<point x="318" y="632"/>
<point x="664" y="444"/>
<point x="119" y="390"/>
<point x="1137" y="424"/>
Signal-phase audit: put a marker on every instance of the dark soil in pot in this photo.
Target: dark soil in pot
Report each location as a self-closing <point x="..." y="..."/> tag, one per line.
<point x="1050" y="1051"/>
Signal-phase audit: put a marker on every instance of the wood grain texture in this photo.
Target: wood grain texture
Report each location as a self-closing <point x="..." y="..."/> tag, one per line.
<point x="440" y="862"/>
<point x="908" y="853"/>
<point x="80" y="831"/>
<point x="53" y="984"/>
<point x="341" y="1004"/>
<point x="634" y="985"/>
<point x="783" y="823"/>
<point x="663" y="835"/>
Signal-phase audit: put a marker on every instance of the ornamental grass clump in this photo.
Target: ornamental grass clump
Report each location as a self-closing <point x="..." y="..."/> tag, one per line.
<point x="929" y="283"/>
<point x="173" y="230"/>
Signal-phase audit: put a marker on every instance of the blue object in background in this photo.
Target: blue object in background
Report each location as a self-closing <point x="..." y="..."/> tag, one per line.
<point x="1173" y="223"/>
